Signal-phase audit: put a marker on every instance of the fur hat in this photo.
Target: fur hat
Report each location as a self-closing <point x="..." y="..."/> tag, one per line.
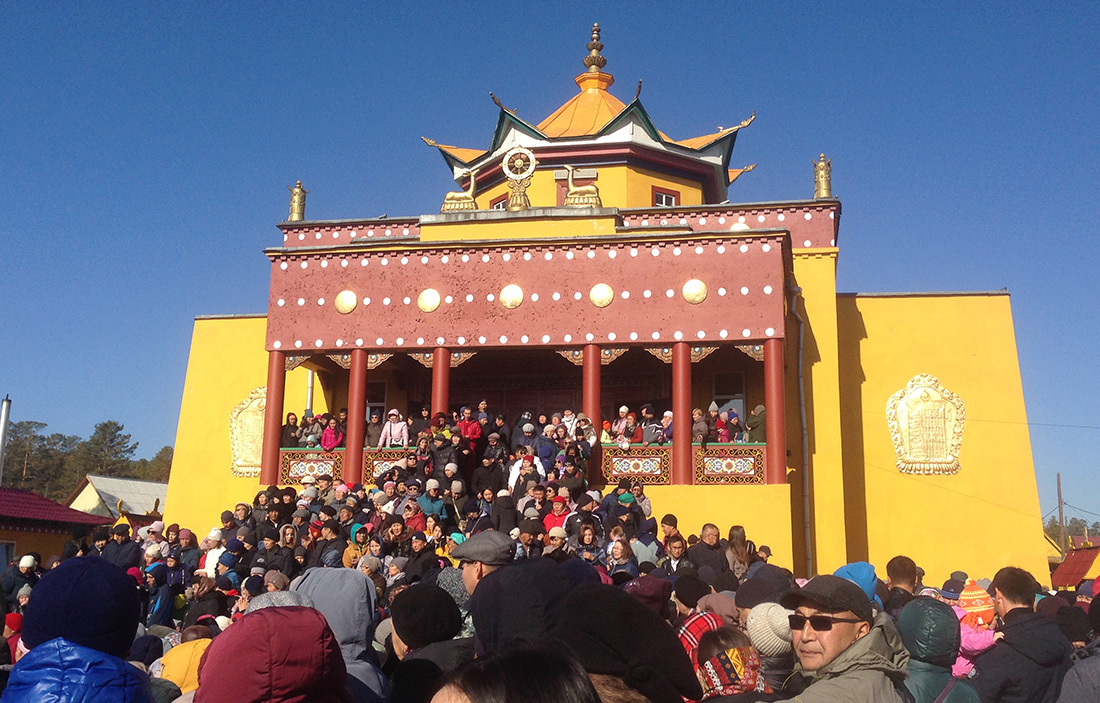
<point x="769" y="630"/>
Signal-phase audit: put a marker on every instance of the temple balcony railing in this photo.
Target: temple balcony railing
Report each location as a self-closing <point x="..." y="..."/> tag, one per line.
<point x="715" y="464"/>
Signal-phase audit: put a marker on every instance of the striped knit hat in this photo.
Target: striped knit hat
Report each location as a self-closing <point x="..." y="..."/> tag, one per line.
<point x="975" y="599"/>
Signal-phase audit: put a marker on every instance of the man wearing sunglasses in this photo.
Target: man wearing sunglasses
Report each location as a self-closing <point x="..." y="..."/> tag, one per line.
<point x="842" y="649"/>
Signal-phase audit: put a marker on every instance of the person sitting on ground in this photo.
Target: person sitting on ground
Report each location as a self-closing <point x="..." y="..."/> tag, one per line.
<point x="709" y="550"/>
<point x="675" y="561"/>
<point x="843" y="652"/>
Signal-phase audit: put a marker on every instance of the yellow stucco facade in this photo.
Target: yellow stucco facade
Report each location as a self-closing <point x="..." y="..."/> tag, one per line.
<point x="968" y="342"/>
<point x="226" y="363"/>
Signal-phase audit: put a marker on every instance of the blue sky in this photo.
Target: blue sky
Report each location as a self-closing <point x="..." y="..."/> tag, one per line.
<point x="147" y="147"/>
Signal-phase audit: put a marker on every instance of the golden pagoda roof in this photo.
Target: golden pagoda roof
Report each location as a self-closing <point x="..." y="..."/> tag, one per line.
<point x="594" y="112"/>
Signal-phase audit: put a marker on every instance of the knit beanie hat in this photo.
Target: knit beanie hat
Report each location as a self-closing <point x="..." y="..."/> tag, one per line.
<point x="254" y="585"/>
<point x="976" y="600"/>
<point x="424" y="614"/>
<point x="689" y="589"/>
<point x="755" y="591"/>
<point x="769" y="630"/>
<point x="88" y="601"/>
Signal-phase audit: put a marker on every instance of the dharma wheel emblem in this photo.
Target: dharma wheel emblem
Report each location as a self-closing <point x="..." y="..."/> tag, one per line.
<point x="519" y="163"/>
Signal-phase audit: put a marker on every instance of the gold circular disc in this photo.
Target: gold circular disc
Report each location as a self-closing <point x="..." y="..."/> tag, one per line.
<point x="345" y="302"/>
<point x="428" y="300"/>
<point x="695" y="291"/>
<point x="601" y="295"/>
<point x="511" y="296"/>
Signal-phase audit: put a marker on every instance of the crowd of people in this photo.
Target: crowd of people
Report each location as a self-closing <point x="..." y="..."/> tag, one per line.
<point x="512" y="579"/>
<point x="468" y="429"/>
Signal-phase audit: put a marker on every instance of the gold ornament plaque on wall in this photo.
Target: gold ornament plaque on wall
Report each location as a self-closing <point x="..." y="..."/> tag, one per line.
<point x="926" y="423"/>
<point x="246" y="433"/>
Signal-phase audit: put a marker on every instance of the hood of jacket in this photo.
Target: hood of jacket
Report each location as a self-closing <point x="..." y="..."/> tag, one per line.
<point x="180" y="664"/>
<point x="299" y="661"/>
<point x="57" y="669"/>
<point x="1035" y="637"/>
<point x="347" y="599"/>
<point x="930" y="631"/>
<point x="881" y="649"/>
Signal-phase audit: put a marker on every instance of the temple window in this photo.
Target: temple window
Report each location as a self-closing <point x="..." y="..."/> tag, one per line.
<point x="665" y="198"/>
<point x="500" y="203"/>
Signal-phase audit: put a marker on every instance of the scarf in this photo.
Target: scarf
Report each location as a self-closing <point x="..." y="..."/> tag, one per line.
<point x="733" y="671"/>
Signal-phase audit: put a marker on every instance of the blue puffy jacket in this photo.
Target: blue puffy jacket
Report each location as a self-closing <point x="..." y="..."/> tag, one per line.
<point x="59" y="671"/>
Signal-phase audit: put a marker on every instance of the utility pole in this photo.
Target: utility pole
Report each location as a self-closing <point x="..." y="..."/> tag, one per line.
<point x="1061" y="518"/>
<point x="5" y="414"/>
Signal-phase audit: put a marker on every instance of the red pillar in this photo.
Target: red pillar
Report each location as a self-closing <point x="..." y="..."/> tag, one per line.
<point x="775" y="428"/>
<point x="683" y="454"/>
<point x="357" y="418"/>
<point x="590" y="405"/>
<point x="441" y="382"/>
<point x="273" y="418"/>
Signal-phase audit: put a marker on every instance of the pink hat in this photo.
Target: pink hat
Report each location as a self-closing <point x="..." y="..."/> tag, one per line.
<point x="157" y="526"/>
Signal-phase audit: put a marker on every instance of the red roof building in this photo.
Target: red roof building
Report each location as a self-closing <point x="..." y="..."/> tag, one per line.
<point x="33" y="523"/>
<point x="1076" y="567"/>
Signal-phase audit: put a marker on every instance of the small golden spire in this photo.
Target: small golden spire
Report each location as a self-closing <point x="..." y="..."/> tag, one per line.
<point x="823" y="178"/>
<point x="297" y="202"/>
<point x="595" y="61"/>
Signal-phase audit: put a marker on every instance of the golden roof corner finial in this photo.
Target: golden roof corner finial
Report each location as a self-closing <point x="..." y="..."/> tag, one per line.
<point x="297" y="202"/>
<point x="595" y="60"/>
<point x="823" y="178"/>
<point x="430" y="142"/>
<point x="638" y="92"/>
<point x="498" y="103"/>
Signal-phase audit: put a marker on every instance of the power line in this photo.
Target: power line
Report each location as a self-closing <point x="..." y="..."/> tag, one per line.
<point x="1081" y="510"/>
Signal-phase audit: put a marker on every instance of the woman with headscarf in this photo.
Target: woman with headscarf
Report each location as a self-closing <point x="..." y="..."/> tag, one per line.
<point x="730" y="667"/>
<point x="395" y="433"/>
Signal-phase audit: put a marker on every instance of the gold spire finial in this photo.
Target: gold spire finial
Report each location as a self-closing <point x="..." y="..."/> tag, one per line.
<point x="297" y="202"/>
<point x="823" y="182"/>
<point x="595" y="61"/>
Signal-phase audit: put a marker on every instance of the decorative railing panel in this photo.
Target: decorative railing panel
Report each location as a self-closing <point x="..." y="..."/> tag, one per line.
<point x="296" y="464"/>
<point x="375" y="461"/>
<point x="651" y="464"/>
<point x="729" y="464"/>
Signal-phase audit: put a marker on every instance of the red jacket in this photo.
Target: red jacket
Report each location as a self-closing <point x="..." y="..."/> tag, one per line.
<point x="470" y="429"/>
<point x="298" y="660"/>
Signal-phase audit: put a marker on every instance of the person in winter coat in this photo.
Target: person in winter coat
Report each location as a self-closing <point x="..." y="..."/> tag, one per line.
<point x="1029" y="663"/>
<point x="930" y="631"/>
<point x="160" y="595"/>
<point x="347" y="600"/>
<point x="78" y="629"/>
<point x="299" y="661"/>
<point x="426" y="621"/>
<point x="395" y="433"/>
<point x="208" y="601"/>
<point x="1082" y="683"/>
<point x="757" y="425"/>
<point x="357" y="547"/>
<point x="845" y="653"/>
<point x="332" y="437"/>
<point x="19" y="575"/>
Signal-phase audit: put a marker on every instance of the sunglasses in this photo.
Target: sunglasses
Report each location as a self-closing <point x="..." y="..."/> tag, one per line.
<point x="818" y="623"/>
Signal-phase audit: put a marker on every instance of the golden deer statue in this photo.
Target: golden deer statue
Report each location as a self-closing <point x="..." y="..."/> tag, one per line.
<point x="581" y="196"/>
<point x="462" y="199"/>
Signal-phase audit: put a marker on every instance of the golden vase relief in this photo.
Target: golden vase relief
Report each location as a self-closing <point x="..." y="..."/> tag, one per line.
<point x="246" y="433"/>
<point x="926" y="423"/>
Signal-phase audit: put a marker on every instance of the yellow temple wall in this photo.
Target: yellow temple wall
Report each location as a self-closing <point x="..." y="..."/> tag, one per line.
<point x="815" y="273"/>
<point x="764" y="511"/>
<point x="227" y="361"/>
<point x="987" y="515"/>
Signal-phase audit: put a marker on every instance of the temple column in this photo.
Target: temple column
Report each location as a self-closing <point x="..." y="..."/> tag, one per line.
<point x="590" y="406"/>
<point x="683" y="454"/>
<point x="775" y="426"/>
<point x="441" y="382"/>
<point x="357" y="418"/>
<point x="273" y="418"/>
